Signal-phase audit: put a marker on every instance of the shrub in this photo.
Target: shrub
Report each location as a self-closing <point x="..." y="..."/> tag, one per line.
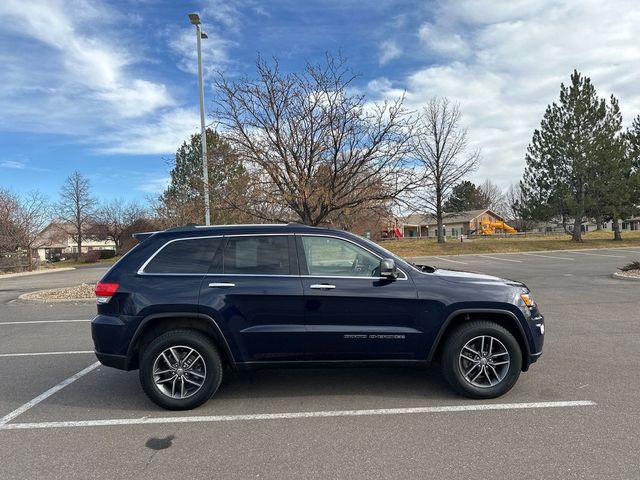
<point x="631" y="266"/>
<point x="104" y="254"/>
<point x="92" y="256"/>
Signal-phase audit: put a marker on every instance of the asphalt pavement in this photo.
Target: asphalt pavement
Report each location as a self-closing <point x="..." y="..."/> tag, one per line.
<point x="574" y="415"/>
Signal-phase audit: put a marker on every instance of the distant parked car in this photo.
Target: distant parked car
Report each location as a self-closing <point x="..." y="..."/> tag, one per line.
<point x="187" y="302"/>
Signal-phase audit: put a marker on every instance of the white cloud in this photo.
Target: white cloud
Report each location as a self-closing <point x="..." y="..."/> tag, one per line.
<point x="92" y="65"/>
<point x="20" y="165"/>
<point x="154" y="185"/>
<point x="161" y="135"/>
<point x="214" y="51"/>
<point x="389" y="50"/>
<point x="442" y="42"/>
<point x="504" y="62"/>
<point x="13" y="164"/>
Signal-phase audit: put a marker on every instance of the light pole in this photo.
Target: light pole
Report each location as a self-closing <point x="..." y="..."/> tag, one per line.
<point x="195" y="20"/>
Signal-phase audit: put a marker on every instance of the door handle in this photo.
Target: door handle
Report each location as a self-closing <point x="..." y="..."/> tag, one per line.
<point x="221" y="285"/>
<point x="322" y="286"/>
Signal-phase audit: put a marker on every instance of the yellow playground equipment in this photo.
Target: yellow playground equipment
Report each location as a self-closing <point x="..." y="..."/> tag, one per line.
<point x="489" y="228"/>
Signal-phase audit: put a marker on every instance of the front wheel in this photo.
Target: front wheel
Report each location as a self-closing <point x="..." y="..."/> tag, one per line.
<point x="180" y="370"/>
<point x="481" y="359"/>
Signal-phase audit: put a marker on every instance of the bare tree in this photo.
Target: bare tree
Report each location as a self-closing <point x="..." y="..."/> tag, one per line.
<point x="492" y="198"/>
<point x="312" y="145"/>
<point x="76" y="207"/>
<point x="32" y="217"/>
<point x="440" y="146"/>
<point x="9" y="231"/>
<point x="115" y="217"/>
<point x="21" y="221"/>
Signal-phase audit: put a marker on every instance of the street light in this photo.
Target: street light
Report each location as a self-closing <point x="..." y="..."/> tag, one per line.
<point x="194" y="18"/>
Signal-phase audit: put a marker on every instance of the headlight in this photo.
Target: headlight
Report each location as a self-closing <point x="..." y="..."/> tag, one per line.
<point x="528" y="300"/>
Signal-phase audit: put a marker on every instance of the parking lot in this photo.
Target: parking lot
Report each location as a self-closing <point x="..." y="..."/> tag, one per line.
<point x="575" y="414"/>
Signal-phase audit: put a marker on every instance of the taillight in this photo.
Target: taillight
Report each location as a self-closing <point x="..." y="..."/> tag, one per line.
<point x="104" y="291"/>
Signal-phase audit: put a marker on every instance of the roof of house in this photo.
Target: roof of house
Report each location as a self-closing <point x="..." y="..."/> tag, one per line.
<point x="458" y="217"/>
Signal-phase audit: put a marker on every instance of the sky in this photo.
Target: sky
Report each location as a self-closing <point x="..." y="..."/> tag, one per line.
<point x="109" y="88"/>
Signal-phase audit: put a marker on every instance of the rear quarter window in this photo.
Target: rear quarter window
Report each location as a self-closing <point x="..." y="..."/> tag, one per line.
<point x="193" y="255"/>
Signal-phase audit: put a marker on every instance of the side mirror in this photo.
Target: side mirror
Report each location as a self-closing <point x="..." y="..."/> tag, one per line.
<point x="388" y="269"/>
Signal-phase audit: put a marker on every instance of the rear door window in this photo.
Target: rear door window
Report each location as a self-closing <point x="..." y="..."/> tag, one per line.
<point x="257" y="255"/>
<point x="193" y="255"/>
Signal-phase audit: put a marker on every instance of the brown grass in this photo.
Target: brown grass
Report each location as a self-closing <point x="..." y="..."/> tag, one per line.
<point x="415" y="247"/>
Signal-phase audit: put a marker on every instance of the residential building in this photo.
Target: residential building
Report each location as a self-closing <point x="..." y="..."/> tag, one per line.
<point x="55" y="242"/>
<point x="555" y="226"/>
<point x="454" y="224"/>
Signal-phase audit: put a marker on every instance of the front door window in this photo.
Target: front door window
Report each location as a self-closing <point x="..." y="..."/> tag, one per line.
<point x="333" y="257"/>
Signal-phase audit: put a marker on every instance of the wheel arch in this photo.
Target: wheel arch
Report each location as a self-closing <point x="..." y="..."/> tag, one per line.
<point x="504" y="318"/>
<point x="156" y="324"/>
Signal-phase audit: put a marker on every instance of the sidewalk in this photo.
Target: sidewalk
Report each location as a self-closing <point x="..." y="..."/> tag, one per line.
<point x="36" y="272"/>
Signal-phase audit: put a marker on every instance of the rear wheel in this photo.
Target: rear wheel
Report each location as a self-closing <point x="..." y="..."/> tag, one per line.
<point x="481" y="360"/>
<point x="180" y="369"/>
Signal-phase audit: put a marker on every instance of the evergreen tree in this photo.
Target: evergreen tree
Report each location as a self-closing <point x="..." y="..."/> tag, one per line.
<point x="183" y="200"/>
<point x="563" y="154"/>
<point x="614" y="181"/>
<point x="632" y="138"/>
<point x="464" y="196"/>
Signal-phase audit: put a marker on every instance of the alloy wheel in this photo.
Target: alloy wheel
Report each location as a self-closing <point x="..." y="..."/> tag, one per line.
<point x="484" y="361"/>
<point x="179" y="372"/>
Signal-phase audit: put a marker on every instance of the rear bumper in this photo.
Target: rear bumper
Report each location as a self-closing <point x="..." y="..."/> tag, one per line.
<point x="121" y="362"/>
<point x="111" y="337"/>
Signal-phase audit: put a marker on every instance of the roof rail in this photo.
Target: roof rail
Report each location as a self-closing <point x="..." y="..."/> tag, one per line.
<point x="142" y="236"/>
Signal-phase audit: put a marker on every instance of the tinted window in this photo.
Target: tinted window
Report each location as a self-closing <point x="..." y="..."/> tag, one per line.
<point x="260" y="255"/>
<point x="185" y="256"/>
<point x="327" y="256"/>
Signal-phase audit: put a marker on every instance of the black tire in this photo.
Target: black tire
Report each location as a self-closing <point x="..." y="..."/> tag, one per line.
<point x="451" y="362"/>
<point x="186" y="338"/>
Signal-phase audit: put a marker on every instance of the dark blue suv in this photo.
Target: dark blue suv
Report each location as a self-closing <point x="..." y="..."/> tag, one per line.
<point x="185" y="303"/>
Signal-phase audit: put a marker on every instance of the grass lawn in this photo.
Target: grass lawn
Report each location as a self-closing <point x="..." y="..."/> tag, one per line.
<point x="416" y="247"/>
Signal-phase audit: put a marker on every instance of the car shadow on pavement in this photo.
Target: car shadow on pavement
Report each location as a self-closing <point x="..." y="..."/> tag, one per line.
<point x="107" y="393"/>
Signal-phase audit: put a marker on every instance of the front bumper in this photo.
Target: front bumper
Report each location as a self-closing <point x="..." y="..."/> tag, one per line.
<point x="537" y="331"/>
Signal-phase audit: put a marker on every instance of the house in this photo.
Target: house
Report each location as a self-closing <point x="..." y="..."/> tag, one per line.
<point x="54" y="243"/>
<point x="454" y="224"/>
<point x="555" y="226"/>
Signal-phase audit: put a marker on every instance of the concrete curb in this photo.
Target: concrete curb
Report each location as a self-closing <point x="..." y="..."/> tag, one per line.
<point x="37" y="272"/>
<point x="619" y="276"/>
<point x="27" y="298"/>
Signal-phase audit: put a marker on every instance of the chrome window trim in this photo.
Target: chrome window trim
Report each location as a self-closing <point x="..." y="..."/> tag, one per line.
<point x="248" y="225"/>
<point x="405" y="276"/>
<point x="261" y="275"/>
<point x="142" y="272"/>
<point x="257" y="235"/>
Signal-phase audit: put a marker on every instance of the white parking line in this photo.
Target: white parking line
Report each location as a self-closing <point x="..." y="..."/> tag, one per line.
<point x="501" y="259"/>
<point x="452" y="261"/>
<point x="43" y="396"/>
<point x="37" y="354"/>
<point x="598" y="254"/>
<point x="547" y="256"/>
<point x="296" y="415"/>
<point x="42" y="321"/>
